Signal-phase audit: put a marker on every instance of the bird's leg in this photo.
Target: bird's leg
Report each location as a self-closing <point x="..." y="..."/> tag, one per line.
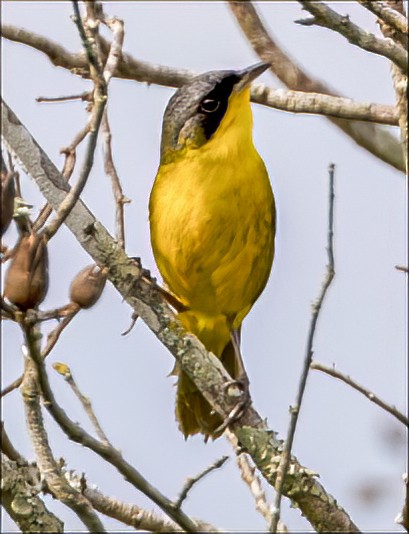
<point x="241" y="381"/>
<point x="240" y="371"/>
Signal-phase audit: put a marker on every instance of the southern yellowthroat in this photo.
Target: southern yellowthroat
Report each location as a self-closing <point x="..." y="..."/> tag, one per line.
<point x="212" y="219"/>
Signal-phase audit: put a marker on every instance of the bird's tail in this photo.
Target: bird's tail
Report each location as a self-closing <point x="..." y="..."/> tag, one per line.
<point x="193" y="412"/>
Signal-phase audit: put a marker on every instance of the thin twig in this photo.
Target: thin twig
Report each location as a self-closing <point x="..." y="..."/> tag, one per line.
<point x="249" y="476"/>
<point x="54" y="335"/>
<point x="326" y="17"/>
<point x="99" y="102"/>
<point x="191" y="481"/>
<point x="7" y="447"/>
<point x="368" y="394"/>
<point x="110" y="170"/>
<point x="45" y="460"/>
<point x="295" y="409"/>
<point x="11" y="387"/>
<point x="69" y="164"/>
<point x="52" y="339"/>
<point x="65" y="372"/>
<point x="85" y="96"/>
<point x="402" y="268"/>
<point x="74" y="194"/>
<point x="89" y="51"/>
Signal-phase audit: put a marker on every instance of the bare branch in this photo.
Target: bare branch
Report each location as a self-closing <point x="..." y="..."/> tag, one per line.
<point x="45" y="460"/>
<point x="65" y="372"/>
<point x="129" y="514"/>
<point x="99" y="102"/>
<point x="403" y="516"/>
<point x="316" y="308"/>
<point x="399" y="78"/>
<point x="322" y="104"/>
<point x="84" y="97"/>
<point x="206" y="371"/>
<point x="54" y="335"/>
<point x="69" y="164"/>
<point x="191" y="481"/>
<point x="390" y="16"/>
<point x="373" y="138"/>
<point x="7" y="447"/>
<point x="248" y="475"/>
<point x="110" y="170"/>
<point x="368" y="394"/>
<point x="324" y="16"/>
<point x="402" y="268"/>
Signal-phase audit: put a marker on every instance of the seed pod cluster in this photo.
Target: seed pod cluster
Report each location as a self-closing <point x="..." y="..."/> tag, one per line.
<point x="26" y="280"/>
<point x="87" y="286"/>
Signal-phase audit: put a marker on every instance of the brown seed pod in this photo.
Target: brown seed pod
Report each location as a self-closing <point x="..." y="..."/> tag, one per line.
<point x="8" y="192"/>
<point x="26" y="280"/>
<point x="87" y="286"/>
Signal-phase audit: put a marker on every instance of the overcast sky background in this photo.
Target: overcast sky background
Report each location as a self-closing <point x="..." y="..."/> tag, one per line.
<point x="349" y="441"/>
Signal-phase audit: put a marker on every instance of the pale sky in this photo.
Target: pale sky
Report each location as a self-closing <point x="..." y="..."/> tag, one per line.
<point x="362" y="328"/>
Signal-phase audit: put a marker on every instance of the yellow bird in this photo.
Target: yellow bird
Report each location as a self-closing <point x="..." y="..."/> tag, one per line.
<point x="212" y="219"/>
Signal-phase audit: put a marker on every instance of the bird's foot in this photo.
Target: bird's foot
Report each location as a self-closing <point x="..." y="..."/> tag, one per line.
<point x="239" y="389"/>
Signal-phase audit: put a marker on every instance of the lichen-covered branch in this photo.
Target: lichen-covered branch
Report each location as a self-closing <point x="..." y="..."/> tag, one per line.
<point x="19" y="495"/>
<point x="202" y="367"/>
<point x="372" y="137"/>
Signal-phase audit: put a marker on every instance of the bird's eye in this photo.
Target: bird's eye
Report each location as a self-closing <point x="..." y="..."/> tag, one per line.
<point x="209" y="105"/>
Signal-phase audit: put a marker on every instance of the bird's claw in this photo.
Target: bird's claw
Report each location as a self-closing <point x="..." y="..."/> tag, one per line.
<point x="240" y="389"/>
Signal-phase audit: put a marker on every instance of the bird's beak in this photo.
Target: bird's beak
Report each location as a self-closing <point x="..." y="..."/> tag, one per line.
<point x="249" y="74"/>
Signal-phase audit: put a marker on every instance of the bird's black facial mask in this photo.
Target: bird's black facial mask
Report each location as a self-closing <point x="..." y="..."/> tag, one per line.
<point x="196" y="110"/>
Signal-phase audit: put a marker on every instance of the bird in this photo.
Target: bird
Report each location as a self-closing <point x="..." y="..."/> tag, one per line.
<point x="212" y="219"/>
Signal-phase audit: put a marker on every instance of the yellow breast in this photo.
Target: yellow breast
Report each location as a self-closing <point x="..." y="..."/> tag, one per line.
<point x="212" y="219"/>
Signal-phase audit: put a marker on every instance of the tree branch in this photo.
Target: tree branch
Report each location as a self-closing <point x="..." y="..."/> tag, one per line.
<point x="371" y="137"/>
<point x="399" y="79"/>
<point x="316" y="308"/>
<point x="331" y="371"/>
<point x="390" y="16"/>
<point x="20" y="498"/>
<point x="45" y="460"/>
<point x="206" y="371"/>
<point x="326" y="17"/>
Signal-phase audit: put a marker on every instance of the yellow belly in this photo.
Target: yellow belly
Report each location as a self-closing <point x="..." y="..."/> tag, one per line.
<point x="212" y="231"/>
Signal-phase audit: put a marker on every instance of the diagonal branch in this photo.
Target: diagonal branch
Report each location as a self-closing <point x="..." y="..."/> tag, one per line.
<point x="206" y="371"/>
<point x="397" y="21"/>
<point x="373" y="138"/>
<point x="331" y="371"/>
<point x="326" y="17"/>
<point x="316" y="308"/>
